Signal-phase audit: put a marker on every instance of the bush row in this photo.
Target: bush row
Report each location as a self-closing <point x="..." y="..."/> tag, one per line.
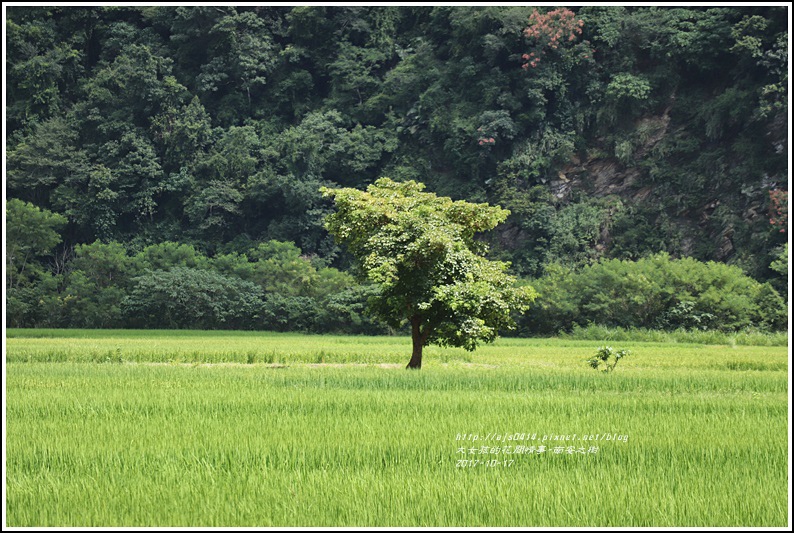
<point x="171" y="285"/>
<point x="656" y="292"/>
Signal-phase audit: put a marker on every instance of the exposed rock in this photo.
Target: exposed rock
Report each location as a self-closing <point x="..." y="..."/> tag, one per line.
<point x="642" y="194"/>
<point x="510" y="235"/>
<point x="653" y="129"/>
<point x="725" y="246"/>
<point x="687" y="245"/>
<point x="707" y="210"/>
<point x="600" y="174"/>
<point x="602" y="177"/>
<point x="752" y="212"/>
<point x="560" y="189"/>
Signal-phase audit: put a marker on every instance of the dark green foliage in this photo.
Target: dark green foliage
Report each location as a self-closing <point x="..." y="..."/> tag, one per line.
<point x="44" y="165"/>
<point x="289" y="313"/>
<point x="637" y="231"/>
<point x="182" y="134"/>
<point x="191" y="298"/>
<point x="644" y="129"/>
<point x="348" y="310"/>
<point x="167" y="255"/>
<point x="171" y="285"/>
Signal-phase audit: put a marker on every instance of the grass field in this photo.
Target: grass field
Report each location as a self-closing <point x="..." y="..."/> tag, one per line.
<point x="142" y="428"/>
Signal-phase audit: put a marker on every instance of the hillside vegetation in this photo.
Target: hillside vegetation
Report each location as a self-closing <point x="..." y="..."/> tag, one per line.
<point x="141" y="140"/>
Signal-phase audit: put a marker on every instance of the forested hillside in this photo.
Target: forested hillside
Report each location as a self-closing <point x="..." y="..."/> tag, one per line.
<point x="144" y="140"/>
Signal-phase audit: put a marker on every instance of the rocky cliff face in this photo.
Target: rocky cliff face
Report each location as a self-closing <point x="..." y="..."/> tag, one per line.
<point x="721" y="224"/>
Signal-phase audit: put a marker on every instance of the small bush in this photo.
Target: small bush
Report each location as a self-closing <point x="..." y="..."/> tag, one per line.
<point x="191" y="298"/>
<point x="606" y="358"/>
<point x="741" y="338"/>
<point x="654" y="292"/>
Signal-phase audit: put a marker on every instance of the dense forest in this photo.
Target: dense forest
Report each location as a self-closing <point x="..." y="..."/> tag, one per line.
<point x="163" y="164"/>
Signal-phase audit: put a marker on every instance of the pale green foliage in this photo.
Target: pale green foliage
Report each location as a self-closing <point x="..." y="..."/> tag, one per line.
<point x="626" y="85"/>
<point x="748" y="34"/>
<point x="606" y="358"/>
<point x="624" y="151"/>
<point x="655" y="292"/>
<point x="780" y="265"/>
<point x="537" y="159"/>
<point x="30" y="233"/>
<point x="420" y="249"/>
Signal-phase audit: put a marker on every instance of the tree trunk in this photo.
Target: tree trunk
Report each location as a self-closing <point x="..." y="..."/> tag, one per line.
<point x="416" y="356"/>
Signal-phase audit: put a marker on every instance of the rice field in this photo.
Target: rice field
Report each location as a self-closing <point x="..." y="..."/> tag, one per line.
<point x="179" y="428"/>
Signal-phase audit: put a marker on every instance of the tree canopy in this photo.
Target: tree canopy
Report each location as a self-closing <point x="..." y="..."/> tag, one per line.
<point x="420" y="250"/>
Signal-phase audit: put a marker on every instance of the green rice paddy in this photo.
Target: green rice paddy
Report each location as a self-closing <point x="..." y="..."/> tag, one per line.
<point x="143" y="428"/>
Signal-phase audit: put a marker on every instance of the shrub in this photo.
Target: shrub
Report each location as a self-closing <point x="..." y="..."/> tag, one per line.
<point x="289" y="313"/>
<point x="654" y="292"/>
<point x="191" y="298"/>
<point x="606" y="358"/>
<point x="348" y="312"/>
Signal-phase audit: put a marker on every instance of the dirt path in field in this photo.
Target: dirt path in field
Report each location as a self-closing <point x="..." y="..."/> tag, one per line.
<point x="267" y="365"/>
<point x="302" y="365"/>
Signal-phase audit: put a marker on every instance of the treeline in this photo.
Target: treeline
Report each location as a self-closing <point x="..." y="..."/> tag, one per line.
<point x="171" y="285"/>
<point x="610" y="132"/>
<point x="273" y="286"/>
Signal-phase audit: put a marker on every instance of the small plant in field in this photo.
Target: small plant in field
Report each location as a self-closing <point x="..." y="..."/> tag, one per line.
<point x="606" y="358"/>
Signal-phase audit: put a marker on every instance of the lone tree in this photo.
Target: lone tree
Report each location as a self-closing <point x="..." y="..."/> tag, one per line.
<point x="420" y="250"/>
